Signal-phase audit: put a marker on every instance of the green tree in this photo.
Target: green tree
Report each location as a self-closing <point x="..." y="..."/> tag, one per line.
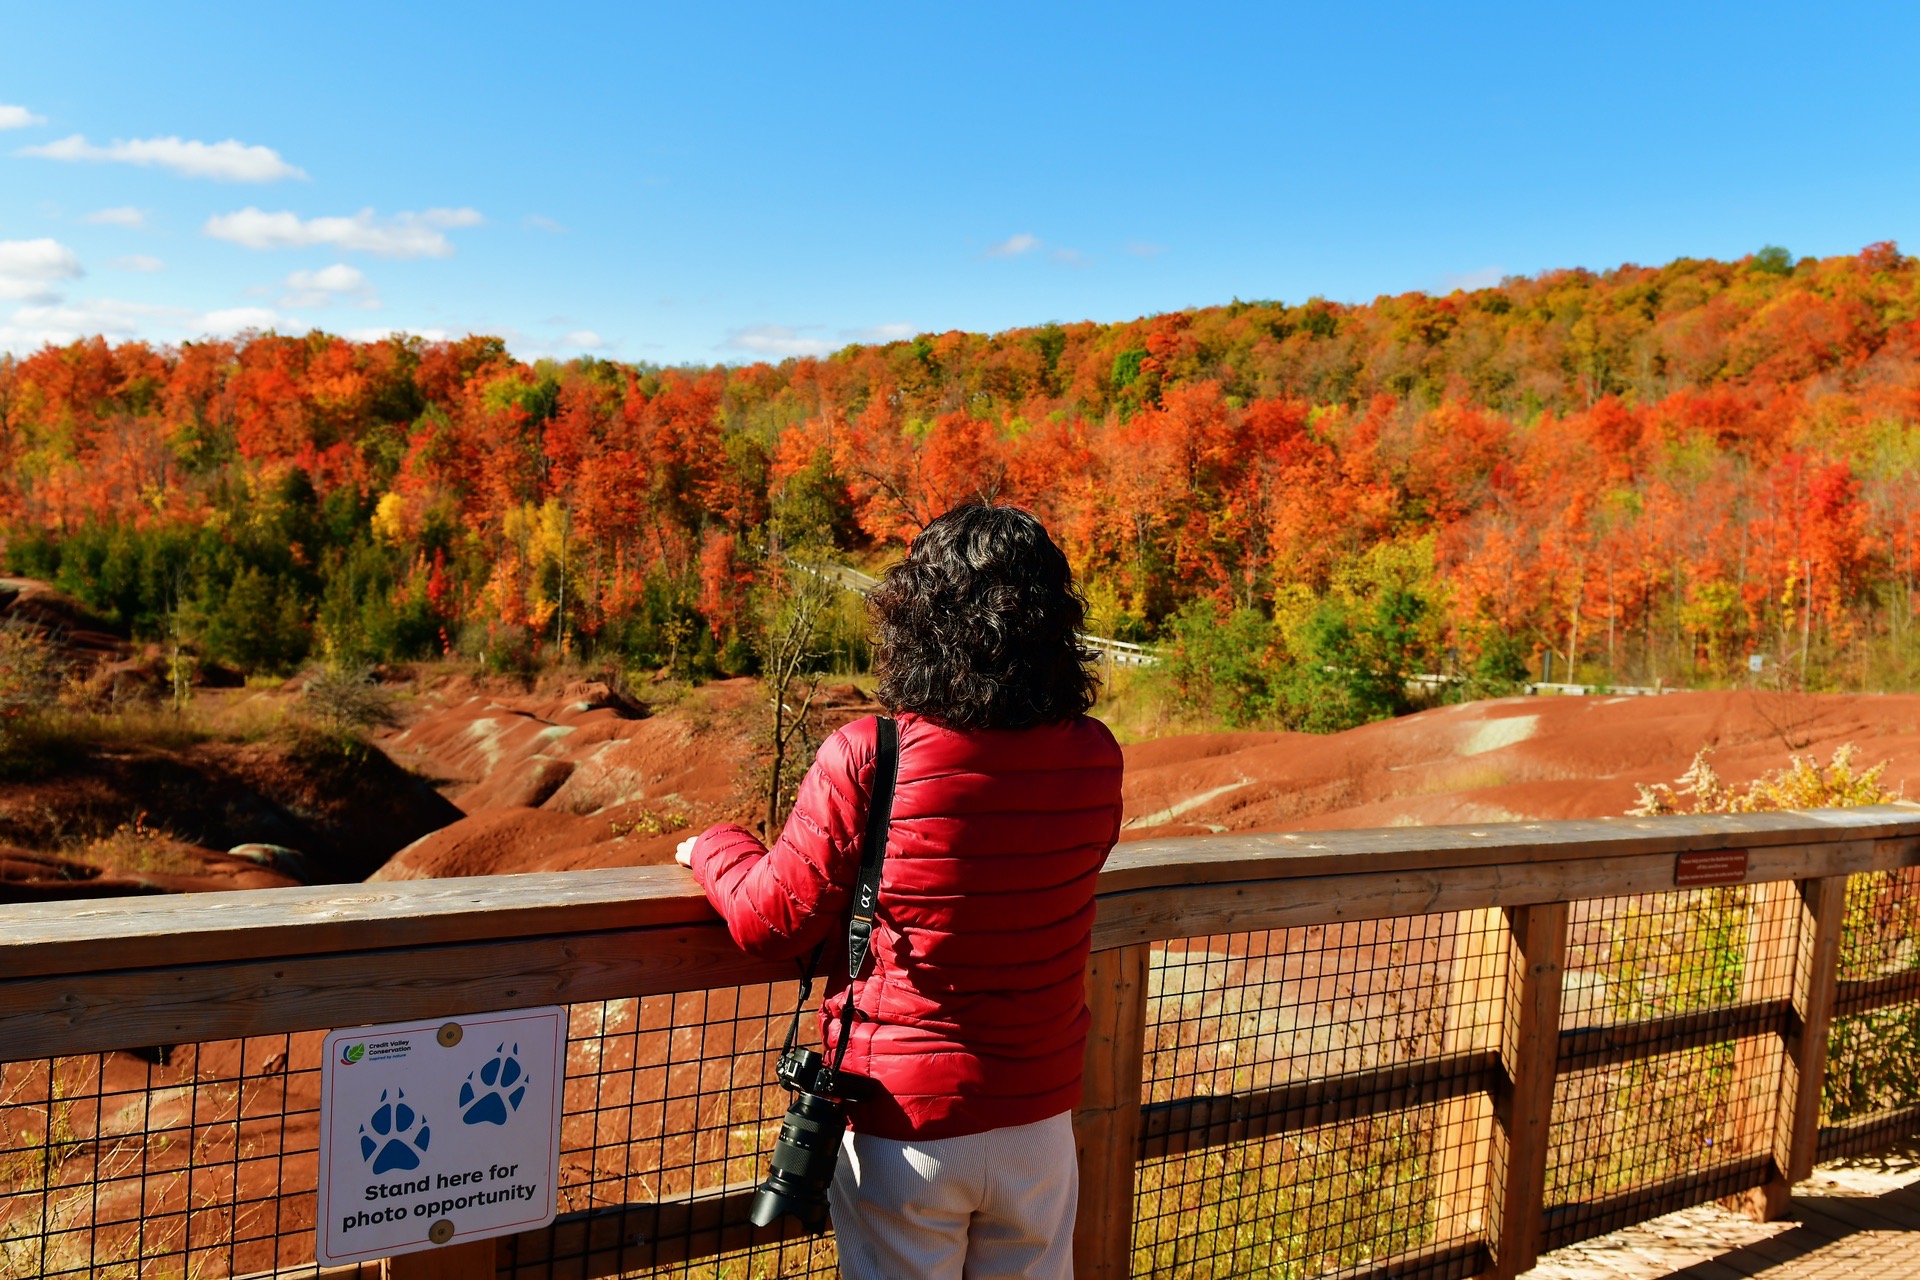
<point x="1224" y="668"/>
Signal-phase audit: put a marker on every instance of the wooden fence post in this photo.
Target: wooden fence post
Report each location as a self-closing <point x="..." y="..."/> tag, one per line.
<point x="1775" y="932"/>
<point x="1815" y="987"/>
<point x="1476" y="987"/>
<point x="1106" y="1128"/>
<point x="1523" y="1111"/>
<point x="473" y="1260"/>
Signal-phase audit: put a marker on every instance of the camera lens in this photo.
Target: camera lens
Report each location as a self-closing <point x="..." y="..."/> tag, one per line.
<point x="803" y="1162"/>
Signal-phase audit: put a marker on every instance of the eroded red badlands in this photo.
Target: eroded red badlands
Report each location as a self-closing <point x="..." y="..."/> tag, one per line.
<point x="1502" y="760"/>
<point x="584" y="779"/>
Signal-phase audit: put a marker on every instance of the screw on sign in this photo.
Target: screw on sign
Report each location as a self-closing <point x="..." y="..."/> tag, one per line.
<point x="438" y="1133"/>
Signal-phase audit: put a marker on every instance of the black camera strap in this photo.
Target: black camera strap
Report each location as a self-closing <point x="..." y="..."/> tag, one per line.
<point x="873" y="853"/>
<point x="866" y="889"/>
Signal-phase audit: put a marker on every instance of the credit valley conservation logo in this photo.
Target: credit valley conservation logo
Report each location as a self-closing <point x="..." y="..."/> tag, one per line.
<point x="375" y="1050"/>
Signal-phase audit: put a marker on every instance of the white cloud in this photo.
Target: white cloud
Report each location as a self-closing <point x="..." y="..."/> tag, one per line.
<point x="329" y="286"/>
<point x="12" y="117"/>
<point x="122" y="216"/>
<point x="1484" y="278"/>
<point x="775" y="341"/>
<point x="229" y="161"/>
<point x="1145" y="249"/>
<point x="63" y="322"/>
<point x="540" y="222"/>
<point x="28" y="269"/>
<point x="405" y="235"/>
<point x="31" y="327"/>
<point x="1069" y="257"/>
<point x="1013" y="246"/>
<point x="880" y="333"/>
<point x="139" y="262"/>
<point x="583" y="339"/>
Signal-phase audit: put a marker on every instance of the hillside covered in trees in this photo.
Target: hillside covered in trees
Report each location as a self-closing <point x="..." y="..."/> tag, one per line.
<point x="1651" y="474"/>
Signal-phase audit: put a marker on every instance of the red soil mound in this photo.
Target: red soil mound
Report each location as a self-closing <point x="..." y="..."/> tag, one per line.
<point x="1502" y="760"/>
<point x="584" y="778"/>
<point x="116" y="817"/>
<point x="75" y="631"/>
<point x="26" y="876"/>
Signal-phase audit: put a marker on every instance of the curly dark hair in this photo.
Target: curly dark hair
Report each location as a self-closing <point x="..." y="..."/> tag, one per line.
<point x="979" y="626"/>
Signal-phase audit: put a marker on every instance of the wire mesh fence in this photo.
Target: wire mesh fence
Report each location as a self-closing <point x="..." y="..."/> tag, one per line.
<point x="671" y="1109"/>
<point x="1873" y="1057"/>
<point x="1708" y="968"/>
<point x="1311" y="1095"/>
<point x="195" y="1160"/>
<point x="201" y="1160"/>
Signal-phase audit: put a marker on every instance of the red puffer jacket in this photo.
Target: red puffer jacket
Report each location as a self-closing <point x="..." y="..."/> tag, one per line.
<point x="972" y="1013"/>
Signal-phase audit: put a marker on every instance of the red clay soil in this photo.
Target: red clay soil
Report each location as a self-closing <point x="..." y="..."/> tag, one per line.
<point x="1502" y="760"/>
<point x="582" y="777"/>
<point x="119" y="819"/>
<point x="577" y="776"/>
<point x="27" y="876"/>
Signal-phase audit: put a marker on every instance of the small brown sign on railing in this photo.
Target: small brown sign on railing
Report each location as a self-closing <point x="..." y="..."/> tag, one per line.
<point x="1710" y="866"/>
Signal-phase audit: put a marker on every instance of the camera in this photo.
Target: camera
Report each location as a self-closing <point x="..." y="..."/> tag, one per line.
<point x="809" y="1143"/>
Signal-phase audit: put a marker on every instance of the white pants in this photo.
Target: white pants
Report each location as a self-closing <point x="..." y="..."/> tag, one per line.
<point x="989" y="1206"/>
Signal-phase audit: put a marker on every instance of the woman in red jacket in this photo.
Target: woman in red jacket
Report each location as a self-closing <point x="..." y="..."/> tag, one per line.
<point x="971" y="1021"/>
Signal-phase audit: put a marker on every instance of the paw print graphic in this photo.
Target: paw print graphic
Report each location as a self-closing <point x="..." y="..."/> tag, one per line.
<point x="404" y="1130"/>
<point x="501" y="1085"/>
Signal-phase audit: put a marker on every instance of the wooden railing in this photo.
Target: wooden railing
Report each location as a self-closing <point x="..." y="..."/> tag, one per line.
<point x="1488" y="1061"/>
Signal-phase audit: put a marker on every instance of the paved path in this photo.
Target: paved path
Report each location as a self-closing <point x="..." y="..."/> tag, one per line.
<point x="1853" y="1220"/>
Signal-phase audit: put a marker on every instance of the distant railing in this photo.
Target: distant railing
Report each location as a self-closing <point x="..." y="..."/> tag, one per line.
<point x="1410" y="1052"/>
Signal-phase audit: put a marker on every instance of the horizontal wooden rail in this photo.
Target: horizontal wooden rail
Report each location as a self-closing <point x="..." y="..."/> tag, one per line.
<point x="1451" y="1260"/>
<point x="1190" y="1124"/>
<point x="1591" y="1048"/>
<point x="1399" y="870"/>
<point x="1583" y="1220"/>
<point x="100" y="1011"/>
<point x="107" y="975"/>
<point x="1855" y="1137"/>
<point x="1864" y="995"/>
<point x="636" y="1237"/>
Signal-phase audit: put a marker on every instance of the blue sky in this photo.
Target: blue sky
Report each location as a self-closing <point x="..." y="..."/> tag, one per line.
<point x="732" y="182"/>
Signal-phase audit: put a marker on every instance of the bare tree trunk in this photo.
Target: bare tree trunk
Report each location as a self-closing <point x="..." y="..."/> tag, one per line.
<point x="1573" y="627"/>
<point x="1613" y="676"/>
<point x="791" y="646"/>
<point x="1806" y="624"/>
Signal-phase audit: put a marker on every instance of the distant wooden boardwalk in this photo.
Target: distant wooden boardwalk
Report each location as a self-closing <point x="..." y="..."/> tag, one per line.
<point x="1854" y="1220"/>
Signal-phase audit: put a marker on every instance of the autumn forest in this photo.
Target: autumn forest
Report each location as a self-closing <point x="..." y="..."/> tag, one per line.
<point x="1698" y="474"/>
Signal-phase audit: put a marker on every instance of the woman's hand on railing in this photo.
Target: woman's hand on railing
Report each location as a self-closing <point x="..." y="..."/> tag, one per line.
<point x="684" y="853"/>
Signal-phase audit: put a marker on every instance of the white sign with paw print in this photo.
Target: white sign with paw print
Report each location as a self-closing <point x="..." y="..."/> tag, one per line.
<point x="434" y="1133"/>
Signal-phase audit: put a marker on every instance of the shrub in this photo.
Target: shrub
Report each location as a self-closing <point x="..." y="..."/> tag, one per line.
<point x="31" y="670"/>
<point x="1801" y="785"/>
<point x="347" y="699"/>
<point x="1873" y="1059"/>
